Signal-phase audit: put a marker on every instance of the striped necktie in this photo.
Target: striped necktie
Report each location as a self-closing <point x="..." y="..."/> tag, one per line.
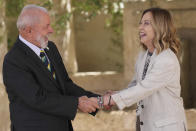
<point x="47" y="63"/>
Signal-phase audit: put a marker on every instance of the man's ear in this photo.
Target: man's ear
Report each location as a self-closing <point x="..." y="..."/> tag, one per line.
<point x="27" y="29"/>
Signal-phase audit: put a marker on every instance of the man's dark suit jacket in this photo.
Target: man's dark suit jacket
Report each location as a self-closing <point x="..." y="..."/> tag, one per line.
<point x="37" y="101"/>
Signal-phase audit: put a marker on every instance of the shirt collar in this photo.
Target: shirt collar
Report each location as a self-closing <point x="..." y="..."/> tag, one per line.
<point x="30" y="45"/>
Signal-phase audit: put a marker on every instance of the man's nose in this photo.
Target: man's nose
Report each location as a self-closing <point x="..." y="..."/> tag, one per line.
<point x="51" y="30"/>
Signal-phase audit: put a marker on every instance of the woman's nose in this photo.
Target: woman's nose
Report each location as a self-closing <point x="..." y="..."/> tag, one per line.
<point x="140" y="26"/>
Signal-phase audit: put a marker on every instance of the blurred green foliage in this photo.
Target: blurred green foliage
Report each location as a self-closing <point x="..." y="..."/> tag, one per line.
<point x="13" y="7"/>
<point x="88" y="9"/>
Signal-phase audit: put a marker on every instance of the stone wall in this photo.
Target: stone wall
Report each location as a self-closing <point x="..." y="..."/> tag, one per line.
<point x="95" y="51"/>
<point x="118" y="121"/>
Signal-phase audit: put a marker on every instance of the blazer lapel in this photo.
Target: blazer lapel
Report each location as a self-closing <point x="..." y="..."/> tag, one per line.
<point x="141" y="65"/>
<point x="36" y="61"/>
<point x="151" y="61"/>
<point x="57" y="71"/>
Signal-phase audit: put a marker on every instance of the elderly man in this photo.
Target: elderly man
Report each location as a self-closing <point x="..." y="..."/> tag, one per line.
<point x="41" y="94"/>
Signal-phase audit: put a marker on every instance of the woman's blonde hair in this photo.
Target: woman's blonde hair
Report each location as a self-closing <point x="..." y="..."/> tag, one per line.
<point x="165" y="32"/>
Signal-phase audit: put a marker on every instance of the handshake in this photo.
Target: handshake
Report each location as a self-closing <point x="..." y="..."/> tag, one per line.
<point x="89" y="105"/>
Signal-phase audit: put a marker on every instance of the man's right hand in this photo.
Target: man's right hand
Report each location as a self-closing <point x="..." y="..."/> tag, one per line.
<point x="86" y="105"/>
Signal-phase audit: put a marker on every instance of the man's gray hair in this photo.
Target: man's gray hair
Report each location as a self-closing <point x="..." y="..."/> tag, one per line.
<point x="29" y="16"/>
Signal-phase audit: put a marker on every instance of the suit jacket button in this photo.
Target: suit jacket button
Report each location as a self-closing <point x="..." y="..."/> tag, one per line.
<point x="141" y="123"/>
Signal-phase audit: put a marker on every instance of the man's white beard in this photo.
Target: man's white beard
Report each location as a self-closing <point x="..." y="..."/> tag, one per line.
<point x="42" y="42"/>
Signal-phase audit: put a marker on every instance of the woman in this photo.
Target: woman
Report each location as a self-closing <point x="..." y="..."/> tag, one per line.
<point x="156" y="84"/>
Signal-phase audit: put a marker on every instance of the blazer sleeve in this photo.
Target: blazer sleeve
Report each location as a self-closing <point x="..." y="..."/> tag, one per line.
<point x="22" y="86"/>
<point x="160" y="75"/>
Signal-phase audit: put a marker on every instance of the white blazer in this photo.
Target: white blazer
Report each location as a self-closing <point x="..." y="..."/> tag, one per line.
<point x="160" y="107"/>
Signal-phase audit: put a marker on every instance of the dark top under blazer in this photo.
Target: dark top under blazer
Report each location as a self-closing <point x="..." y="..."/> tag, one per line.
<point x="37" y="101"/>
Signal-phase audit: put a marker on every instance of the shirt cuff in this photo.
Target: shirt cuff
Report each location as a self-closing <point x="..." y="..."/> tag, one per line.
<point x="119" y="101"/>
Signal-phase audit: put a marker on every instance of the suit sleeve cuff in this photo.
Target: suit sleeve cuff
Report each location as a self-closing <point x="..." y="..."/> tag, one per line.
<point x="119" y="101"/>
<point x="73" y="109"/>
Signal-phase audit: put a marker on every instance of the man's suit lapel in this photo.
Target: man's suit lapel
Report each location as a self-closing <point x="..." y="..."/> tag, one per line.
<point x="57" y="70"/>
<point x="36" y="61"/>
